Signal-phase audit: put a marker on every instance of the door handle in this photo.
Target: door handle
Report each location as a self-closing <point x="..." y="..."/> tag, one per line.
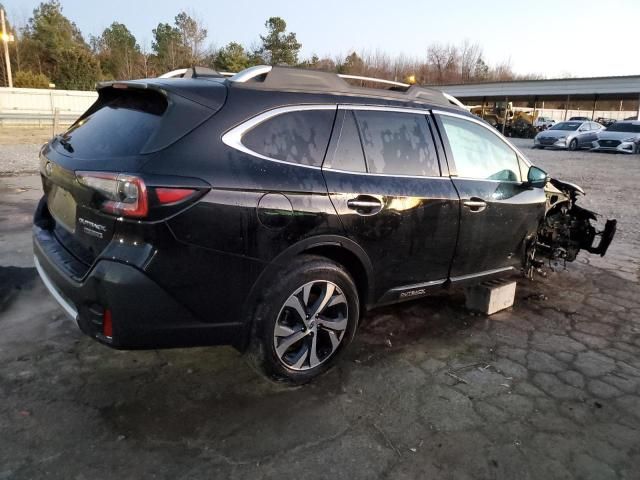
<point x="365" y="204"/>
<point x="475" y="205"/>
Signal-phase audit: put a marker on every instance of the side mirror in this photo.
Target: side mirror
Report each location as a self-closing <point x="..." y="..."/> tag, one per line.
<point x="536" y="177"/>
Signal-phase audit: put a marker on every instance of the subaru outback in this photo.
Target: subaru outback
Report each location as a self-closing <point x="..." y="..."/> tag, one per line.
<point x="270" y="209"/>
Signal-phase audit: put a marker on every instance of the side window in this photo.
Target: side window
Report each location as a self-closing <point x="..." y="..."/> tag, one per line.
<point x="348" y="152"/>
<point x="478" y="152"/>
<point x="397" y="143"/>
<point x="296" y="137"/>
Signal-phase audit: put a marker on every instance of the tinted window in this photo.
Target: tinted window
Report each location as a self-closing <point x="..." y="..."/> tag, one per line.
<point x="348" y="153"/>
<point x="624" y="127"/>
<point x="479" y="153"/>
<point x="120" y="126"/>
<point x="398" y="143"/>
<point x="297" y="137"/>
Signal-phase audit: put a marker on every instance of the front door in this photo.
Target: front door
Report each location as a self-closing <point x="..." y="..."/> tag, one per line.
<point x="384" y="179"/>
<point x="499" y="213"/>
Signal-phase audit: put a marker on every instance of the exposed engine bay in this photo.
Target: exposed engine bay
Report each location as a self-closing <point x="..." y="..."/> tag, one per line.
<point x="566" y="229"/>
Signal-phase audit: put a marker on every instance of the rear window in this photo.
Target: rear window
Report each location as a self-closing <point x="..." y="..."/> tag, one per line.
<point x="398" y="143"/>
<point x="624" y="127"/>
<point x="295" y="137"/>
<point x="118" y="125"/>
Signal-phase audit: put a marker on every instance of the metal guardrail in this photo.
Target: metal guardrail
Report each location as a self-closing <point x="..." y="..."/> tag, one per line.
<point x="38" y="107"/>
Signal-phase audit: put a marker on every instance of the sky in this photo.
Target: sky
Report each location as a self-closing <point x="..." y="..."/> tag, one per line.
<point x="554" y="38"/>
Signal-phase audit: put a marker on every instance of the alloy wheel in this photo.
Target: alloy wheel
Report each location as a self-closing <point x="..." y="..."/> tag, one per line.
<point x="311" y="325"/>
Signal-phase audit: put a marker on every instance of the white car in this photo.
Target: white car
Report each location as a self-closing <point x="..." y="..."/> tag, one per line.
<point x="623" y="136"/>
<point x="544" y="122"/>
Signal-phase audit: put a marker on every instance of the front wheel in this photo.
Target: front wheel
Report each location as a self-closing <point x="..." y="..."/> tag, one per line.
<point x="305" y="320"/>
<point x="573" y="144"/>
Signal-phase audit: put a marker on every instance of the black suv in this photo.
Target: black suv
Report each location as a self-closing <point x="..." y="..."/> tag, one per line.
<point x="269" y="209"/>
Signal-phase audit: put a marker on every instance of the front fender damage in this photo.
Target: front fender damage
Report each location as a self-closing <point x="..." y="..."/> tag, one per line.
<point x="566" y="229"/>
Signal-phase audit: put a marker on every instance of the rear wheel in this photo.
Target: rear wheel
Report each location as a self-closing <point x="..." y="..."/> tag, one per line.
<point x="305" y="321"/>
<point x="573" y="144"/>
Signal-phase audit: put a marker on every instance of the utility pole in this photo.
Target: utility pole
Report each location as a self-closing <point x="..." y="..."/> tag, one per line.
<point x="6" y="38"/>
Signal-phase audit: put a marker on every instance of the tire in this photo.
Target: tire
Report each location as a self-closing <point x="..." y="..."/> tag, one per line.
<point x="283" y="343"/>
<point x="573" y="144"/>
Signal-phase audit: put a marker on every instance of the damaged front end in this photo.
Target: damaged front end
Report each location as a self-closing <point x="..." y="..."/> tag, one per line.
<point x="566" y="229"/>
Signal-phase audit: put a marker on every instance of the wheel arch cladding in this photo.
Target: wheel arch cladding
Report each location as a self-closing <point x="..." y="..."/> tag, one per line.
<point x="333" y="247"/>
<point x="352" y="264"/>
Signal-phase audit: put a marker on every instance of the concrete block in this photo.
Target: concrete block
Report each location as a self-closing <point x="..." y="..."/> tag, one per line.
<point x="491" y="296"/>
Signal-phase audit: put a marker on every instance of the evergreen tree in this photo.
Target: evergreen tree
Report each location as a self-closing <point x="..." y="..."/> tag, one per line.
<point x="117" y="51"/>
<point x="232" y="58"/>
<point x="278" y="47"/>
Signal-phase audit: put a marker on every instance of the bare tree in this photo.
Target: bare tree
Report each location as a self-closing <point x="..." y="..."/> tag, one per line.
<point x="470" y="53"/>
<point x="193" y="34"/>
<point x="443" y="58"/>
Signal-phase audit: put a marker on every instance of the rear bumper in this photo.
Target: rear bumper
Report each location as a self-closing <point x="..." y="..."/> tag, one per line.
<point x="143" y="314"/>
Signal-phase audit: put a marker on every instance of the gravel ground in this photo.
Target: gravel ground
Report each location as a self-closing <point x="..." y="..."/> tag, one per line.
<point x="19" y="149"/>
<point x="17" y="159"/>
<point x="549" y="389"/>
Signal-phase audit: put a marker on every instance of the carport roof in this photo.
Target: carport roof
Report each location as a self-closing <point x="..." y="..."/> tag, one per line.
<point x="625" y="85"/>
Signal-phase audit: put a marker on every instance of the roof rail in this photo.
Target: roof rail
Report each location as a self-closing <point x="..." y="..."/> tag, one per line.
<point x="270" y="77"/>
<point x="375" y="80"/>
<point x="250" y="73"/>
<point x="194" y="72"/>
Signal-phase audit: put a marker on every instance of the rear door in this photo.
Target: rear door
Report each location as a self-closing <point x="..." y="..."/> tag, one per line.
<point x="593" y="134"/>
<point x="383" y="176"/>
<point x="586" y="134"/>
<point x="499" y="213"/>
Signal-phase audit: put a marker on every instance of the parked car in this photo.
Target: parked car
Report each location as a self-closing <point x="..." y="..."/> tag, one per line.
<point x="542" y="123"/>
<point x="579" y="119"/>
<point x="623" y="136"/>
<point x="271" y="209"/>
<point x="605" y="122"/>
<point x="570" y="135"/>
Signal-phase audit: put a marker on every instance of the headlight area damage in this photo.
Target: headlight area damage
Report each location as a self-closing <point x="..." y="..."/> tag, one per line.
<point x="566" y="229"/>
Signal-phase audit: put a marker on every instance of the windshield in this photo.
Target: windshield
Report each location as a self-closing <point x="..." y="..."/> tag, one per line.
<point x="566" y="126"/>
<point x="624" y="127"/>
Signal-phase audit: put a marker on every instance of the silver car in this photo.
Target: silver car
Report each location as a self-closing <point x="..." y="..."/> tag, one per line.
<point x="570" y="135"/>
<point x="621" y="136"/>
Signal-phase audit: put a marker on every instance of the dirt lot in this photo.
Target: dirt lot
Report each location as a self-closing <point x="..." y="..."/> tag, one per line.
<point x="547" y="390"/>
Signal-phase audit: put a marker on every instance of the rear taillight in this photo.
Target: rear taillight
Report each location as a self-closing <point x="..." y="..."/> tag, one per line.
<point x="167" y="196"/>
<point x="121" y="194"/>
<point x="128" y="196"/>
